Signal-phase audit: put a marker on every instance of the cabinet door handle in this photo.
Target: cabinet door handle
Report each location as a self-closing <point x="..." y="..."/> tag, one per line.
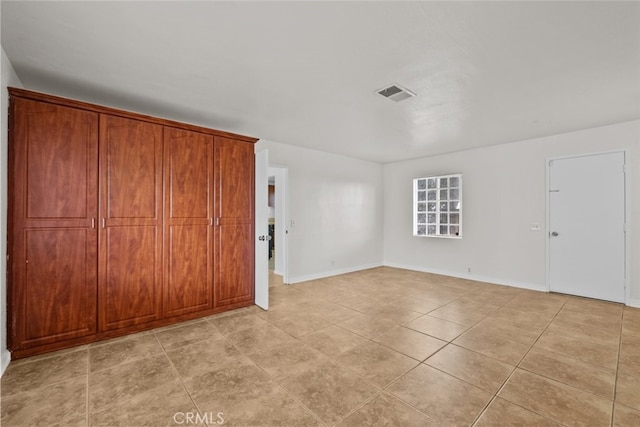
<point x="93" y="223"/>
<point x="104" y="222"/>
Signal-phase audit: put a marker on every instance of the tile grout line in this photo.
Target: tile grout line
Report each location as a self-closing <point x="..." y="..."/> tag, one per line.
<point x="179" y="377"/>
<point x="615" y="384"/>
<point x="517" y="366"/>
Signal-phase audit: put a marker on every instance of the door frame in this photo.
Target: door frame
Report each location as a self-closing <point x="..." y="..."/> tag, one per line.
<point x="627" y="212"/>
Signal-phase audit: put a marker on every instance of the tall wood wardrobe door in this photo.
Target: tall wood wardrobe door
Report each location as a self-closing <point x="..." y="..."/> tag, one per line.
<point x="54" y="199"/>
<point x="188" y="219"/>
<point x="234" y="251"/>
<point x="130" y="268"/>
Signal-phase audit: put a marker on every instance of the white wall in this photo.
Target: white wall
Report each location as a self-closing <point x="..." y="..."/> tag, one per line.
<point x="9" y="78"/>
<point x="335" y="211"/>
<point x="504" y="191"/>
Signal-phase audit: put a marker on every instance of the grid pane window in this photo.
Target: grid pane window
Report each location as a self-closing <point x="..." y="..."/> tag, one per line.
<point x="437" y="206"/>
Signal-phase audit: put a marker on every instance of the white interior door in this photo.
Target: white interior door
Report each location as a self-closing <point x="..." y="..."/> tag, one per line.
<point x="262" y="229"/>
<point x="586" y="226"/>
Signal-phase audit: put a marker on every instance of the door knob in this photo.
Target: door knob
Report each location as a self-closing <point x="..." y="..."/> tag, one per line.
<point x="554" y="234"/>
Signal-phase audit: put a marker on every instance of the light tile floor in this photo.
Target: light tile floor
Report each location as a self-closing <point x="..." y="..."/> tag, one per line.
<point x="378" y="347"/>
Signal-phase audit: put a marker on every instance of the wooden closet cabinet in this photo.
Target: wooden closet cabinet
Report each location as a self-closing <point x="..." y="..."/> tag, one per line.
<point x="189" y="218"/>
<point x="130" y="268"/>
<point x="234" y="172"/>
<point x="120" y="222"/>
<point x="53" y="175"/>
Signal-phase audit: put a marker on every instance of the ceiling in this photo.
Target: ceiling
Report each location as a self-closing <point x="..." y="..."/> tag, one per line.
<point x="305" y="73"/>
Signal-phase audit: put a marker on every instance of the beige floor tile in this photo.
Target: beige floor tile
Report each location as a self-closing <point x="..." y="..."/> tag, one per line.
<point x="220" y="389"/>
<point x="328" y="311"/>
<point x="258" y="338"/>
<point x="62" y="403"/>
<point x="161" y="406"/>
<point x="585" y="331"/>
<point x="332" y="340"/>
<point x="120" y="383"/>
<point x="325" y="369"/>
<point x="629" y="361"/>
<point x="367" y="326"/>
<point x="458" y="315"/>
<point x="377" y="363"/>
<point x="592" y="306"/>
<point x="628" y="391"/>
<point x="485" y="342"/>
<point x="469" y="303"/>
<point x="631" y="314"/>
<point x="508" y="331"/>
<point x="624" y="416"/>
<point x="482" y="371"/>
<point x="386" y="410"/>
<point x="236" y="322"/>
<point x="122" y="350"/>
<point x="276" y="312"/>
<point x="570" y="371"/>
<point x="540" y="303"/>
<point x="563" y="403"/>
<point x="501" y="413"/>
<point x="412" y="343"/>
<point x="593" y="353"/>
<point x="416" y="304"/>
<point x="361" y="303"/>
<point x="394" y="314"/>
<point x="330" y="391"/>
<point x="287" y="360"/>
<point x="439" y="328"/>
<point x="301" y="324"/>
<point x="598" y="320"/>
<point x="441" y="396"/>
<point x="631" y="327"/>
<point x="26" y="375"/>
<point x="535" y="322"/>
<point x="272" y="407"/>
<point x="202" y="356"/>
<point x="182" y="335"/>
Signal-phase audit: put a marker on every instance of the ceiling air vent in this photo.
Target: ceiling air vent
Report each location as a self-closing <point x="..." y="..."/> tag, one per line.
<point x="396" y="93"/>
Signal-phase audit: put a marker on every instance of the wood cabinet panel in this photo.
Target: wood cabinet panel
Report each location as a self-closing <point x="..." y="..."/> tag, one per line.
<point x="129" y="288"/>
<point x="234" y="163"/>
<point x="52" y="239"/>
<point x="234" y="264"/>
<point x="50" y="142"/>
<point x="130" y="267"/>
<point x="60" y="279"/>
<point x="132" y="154"/>
<point x="188" y="274"/>
<point x="234" y="231"/>
<point x="189" y="282"/>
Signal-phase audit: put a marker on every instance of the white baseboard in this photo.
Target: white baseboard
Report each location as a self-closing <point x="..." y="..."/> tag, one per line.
<point x="5" y="358"/>
<point x="470" y="276"/>
<point x="330" y="273"/>
<point x="633" y="302"/>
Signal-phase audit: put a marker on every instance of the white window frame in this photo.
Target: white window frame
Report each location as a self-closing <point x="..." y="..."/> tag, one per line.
<point x="446" y="210"/>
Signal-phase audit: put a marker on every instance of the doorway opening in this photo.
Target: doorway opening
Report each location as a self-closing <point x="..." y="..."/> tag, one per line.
<point x="278" y="230"/>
